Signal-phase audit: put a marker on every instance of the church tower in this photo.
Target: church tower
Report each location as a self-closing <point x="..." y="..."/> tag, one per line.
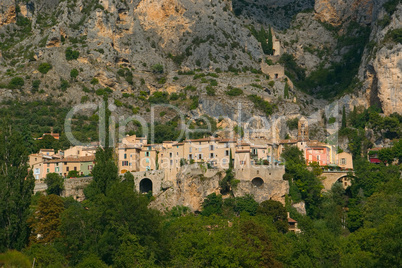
<point x="303" y="130"/>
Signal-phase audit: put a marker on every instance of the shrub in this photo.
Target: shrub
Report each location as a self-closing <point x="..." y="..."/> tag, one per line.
<point x="71" y="54"/>
<point x="35" y="85"/>
<point x="292" y="123"/>
<point x="234" y="91"/>
<point x="159" y="97"/>
<point x="84" y="99"/>
<point x="64" y="85"/>
<point x="44" y="67"/>
<point x="194" y="103"/>
<point x="210" y="91"/>
<point x="174" y="97"/>
<point x="191" y="88"/>
<point x="94" y="81"/>
<point x="16" y="82"/>
<point x="394" y="35"/>
<point x="162" y="80"/>
<point x="157" y="68"/>
<point x="118" y="103"/>
<point x="261" y="104"/>
<point x="74" y="73"/>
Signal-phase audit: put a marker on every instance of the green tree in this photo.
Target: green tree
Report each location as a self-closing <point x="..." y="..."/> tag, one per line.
<point x="343" y="118"/>
<point x="74" y="73"/>
<point x="16" y="189"/>
<point x="386" y="155"/>
<point x="13" y="258"/>
<point x="73" y="174"/>
<point x="277" y="211"/>
<point x="55" y="184"/>
<point x="44" y="223"/>
<point x="71" y="54"/>
<point x="44" y="67"/>
<point x="16" y="82"/>
<point x="212" y="205"/>
<point x="270" y="44"/>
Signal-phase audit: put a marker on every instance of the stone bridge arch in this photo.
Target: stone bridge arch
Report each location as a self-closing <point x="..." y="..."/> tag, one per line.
<point x="146" y="181"/>
<point x="332" y="177"/>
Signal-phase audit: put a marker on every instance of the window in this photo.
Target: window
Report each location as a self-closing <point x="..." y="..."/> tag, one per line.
<point x="200" y="149"/>
<point x="147" y="160"/>
<point x="276" y="76"/>
<point x="310" y="157"/>
<point x="171" y="162"/>
<point x="318" y="158"/>
<point x="48" y="165"/>
<point x="211" y="155"/>
<point x="190" y="156"/>
<point x="171" y="154"/>
<point x="227" y="153"/>
<point x="57" y="169"/>
<point x="211" y="147"/>
<point x="343" y="161"/>
<point x="125" y="156"/>
<point x="47" y="170"/>
<point x="90" y="167"/>
<point x="191" y="149"/>
<point x="200" y="156"/>
<point x="36" y="159"/>
<point x="224" y="161"/>
<point x="123" y="163"/>
<point x="67" y="168"/>
<point x="146" y="153"/>
<point x="241" y="162"/>
<point x="226" y="145"/>
<point x="75" y="168"/>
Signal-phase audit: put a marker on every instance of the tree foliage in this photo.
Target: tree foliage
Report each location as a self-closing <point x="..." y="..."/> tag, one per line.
<point x="55" y="184"/>
<point x="16" y="188"/>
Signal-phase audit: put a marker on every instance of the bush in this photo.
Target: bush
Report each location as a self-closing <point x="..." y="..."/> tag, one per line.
<point x="71" y="54"/>
<point x="94" y="81"/>
<point x="261" y="104"/>
<point x="292" y="123"/>
<point x="35" y="85"/>
<point x="16" y="82"/>
<point x="191" y="88"/>
<point x="194" y="103"/>
<point x="64" y="85"/>
<point x="210" y="91"/>
<point x="118" y="103"/>
<point x="159" y="97"/>
<point x="74" y="73"/>
<point x="394" y="35"/>
<point x="44" y="67"/>
<point x="234" y="92"/>
<point x="157" y="68"/>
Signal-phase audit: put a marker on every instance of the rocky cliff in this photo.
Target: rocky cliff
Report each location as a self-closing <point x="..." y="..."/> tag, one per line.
<point x="118" y="44"/>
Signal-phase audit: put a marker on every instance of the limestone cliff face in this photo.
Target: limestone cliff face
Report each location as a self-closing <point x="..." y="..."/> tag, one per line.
<point x="8" y="12"/>
<point x="337" y="12"/>
<point x="192" y="185"/>
<point x="381" y="69"/>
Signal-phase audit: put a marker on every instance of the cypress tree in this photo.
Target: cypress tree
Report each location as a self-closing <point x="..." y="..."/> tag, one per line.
<point x="16" y="189"/>
<point x="270" y="44"/>
<point x="343" y="118"/>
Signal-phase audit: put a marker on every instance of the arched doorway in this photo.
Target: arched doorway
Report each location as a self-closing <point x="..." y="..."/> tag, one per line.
<point x="257" y="182"/>
<point x="145" y="185"/>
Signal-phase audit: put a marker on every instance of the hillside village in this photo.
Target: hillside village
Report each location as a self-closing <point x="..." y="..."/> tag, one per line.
<point x="257" y="161"/>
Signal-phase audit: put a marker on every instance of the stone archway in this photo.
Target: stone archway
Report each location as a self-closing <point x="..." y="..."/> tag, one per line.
<point x="145" y="185"/>
<point x="257" y="182"/>
<point x="345" y="181"/>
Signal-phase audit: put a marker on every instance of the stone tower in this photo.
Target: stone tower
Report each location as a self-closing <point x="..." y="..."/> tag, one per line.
<point x="303" y="129"/>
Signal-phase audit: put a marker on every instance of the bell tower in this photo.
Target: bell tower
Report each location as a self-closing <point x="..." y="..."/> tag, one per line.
<point x="303" y="130"/>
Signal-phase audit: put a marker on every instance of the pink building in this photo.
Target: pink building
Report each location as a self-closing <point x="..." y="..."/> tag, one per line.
<point x="317" y="152"/>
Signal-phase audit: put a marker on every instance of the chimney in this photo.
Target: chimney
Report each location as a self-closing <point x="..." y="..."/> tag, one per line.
<point x="288" y="215"/>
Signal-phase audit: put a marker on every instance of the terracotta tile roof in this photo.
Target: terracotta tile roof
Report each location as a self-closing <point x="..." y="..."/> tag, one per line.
<point x="375" y="149"/>
<point x="242" y="151"/>
<point x="287" y="141"/>
<point x="73" y="159"/>
<point x="291" y="220"/>
<point x="316" y="144"/>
